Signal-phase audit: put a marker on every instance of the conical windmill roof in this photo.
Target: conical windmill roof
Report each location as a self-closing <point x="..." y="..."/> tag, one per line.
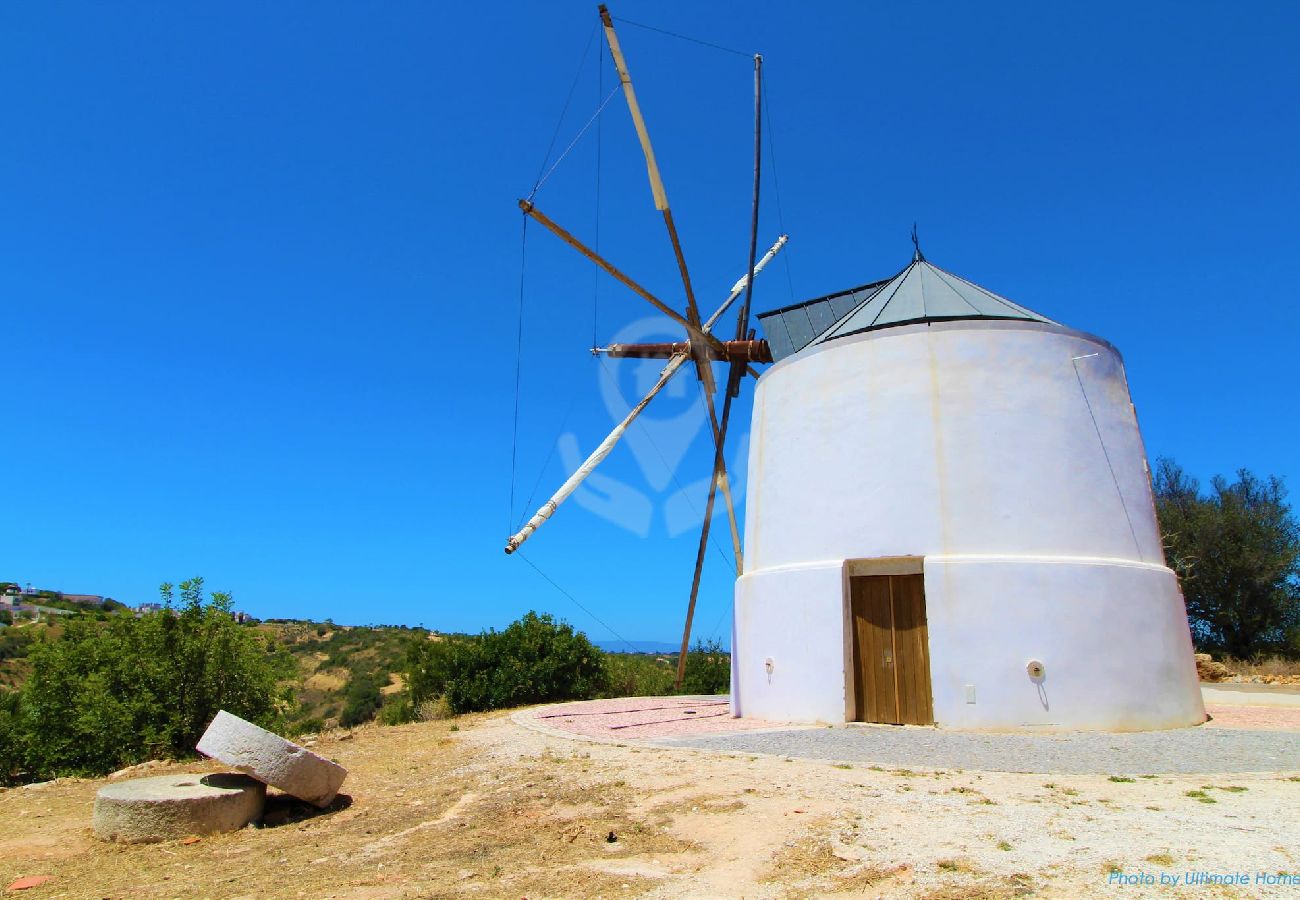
<point x="922" y="292"/>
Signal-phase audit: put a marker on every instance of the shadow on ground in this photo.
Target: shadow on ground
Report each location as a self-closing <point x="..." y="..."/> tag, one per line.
<point x="285" y="809"/>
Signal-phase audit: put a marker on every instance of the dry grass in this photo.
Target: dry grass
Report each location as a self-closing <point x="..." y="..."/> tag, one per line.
<point x="480" y="806"/>
<point x="1276" y="666"/>
<point x="430" y="821"/>
<point x="701" y="803"/>
<point x="810" y="867"/>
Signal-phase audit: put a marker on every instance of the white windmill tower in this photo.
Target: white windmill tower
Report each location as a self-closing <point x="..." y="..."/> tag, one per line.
<point x="949" y="521"/>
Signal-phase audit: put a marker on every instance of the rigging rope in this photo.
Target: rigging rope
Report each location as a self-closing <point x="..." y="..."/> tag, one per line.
<point x="555" y="134"/>
<point x="776" y="184"/>
<point x="684" y="37"/>
<point x="573" y="143"/>
<point x="552" y="583"/>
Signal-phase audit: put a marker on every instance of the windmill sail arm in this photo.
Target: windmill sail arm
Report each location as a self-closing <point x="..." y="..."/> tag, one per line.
<point x="625" y="78"/>
<point x="739" y="287"/>
<point x="580" y="474"/>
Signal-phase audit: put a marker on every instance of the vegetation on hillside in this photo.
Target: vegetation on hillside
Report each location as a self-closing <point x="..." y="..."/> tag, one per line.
<point x="1236" y="549"/>
<point x="107" y="694"/>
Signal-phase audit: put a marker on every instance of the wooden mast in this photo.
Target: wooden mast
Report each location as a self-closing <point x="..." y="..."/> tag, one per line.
<point x="736" y="372"/>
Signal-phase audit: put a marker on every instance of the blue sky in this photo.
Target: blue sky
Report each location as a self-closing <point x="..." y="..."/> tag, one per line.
<point x="259" y="266"/>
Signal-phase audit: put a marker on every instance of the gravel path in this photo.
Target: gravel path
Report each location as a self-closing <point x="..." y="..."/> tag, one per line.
<point x="1185" y="750"/>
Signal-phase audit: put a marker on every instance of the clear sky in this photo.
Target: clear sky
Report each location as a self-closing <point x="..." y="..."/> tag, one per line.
<point x="260" y="267"/>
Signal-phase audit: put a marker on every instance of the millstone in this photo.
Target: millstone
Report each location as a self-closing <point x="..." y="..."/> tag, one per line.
<point x="144" y="810"/>
<point x="270" y="758"/>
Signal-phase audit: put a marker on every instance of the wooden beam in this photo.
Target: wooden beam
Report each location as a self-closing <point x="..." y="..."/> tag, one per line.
<point x="693" y="330"/>
<point x="652" y="168"/>
<point x="702" y="368"/>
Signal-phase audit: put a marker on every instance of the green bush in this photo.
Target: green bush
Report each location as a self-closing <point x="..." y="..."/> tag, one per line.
<point x="106" y="695"/>
<point x="11" y="739"/>
<point x="397" y="710"/>
<point x="15" y="643"/>
<point x="639" y="675"/>
<point x="361" y="700"/>
<point x="708" y="669"/>
<point x="534" y="660"/>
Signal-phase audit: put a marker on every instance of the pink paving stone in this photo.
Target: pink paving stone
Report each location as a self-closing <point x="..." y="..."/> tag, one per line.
<point x="634" y="718"/>
<point x="1254" y="718"/>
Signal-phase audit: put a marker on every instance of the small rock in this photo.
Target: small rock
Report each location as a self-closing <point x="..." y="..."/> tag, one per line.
<point x="611" y="838"/>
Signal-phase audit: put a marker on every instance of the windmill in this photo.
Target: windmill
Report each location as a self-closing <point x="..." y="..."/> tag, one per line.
<point x="700" y="346"/>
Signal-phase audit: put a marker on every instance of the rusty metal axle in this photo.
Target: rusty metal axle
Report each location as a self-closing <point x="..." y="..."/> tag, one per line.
<point x="752" y="351"/>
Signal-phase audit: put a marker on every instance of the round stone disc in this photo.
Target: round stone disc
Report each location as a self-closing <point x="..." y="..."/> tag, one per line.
<point x="166" y="807"/>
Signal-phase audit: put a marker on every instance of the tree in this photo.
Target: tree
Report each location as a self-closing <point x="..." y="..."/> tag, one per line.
<point x="1237" y="554"/>
<point x="108" y="694"/>
<point x="534" y="660"/>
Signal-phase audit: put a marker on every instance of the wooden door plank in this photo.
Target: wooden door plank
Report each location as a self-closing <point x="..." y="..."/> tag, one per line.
<point x="912" y="640"/>
<point x="875" y="695"/>
<point x="880" y="659"/>
<point x="858" y="613"/>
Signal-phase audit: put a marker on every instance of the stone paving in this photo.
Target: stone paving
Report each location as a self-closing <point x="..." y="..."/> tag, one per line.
<point x="1246" y="739"/>
<point x="1182" y="750"/>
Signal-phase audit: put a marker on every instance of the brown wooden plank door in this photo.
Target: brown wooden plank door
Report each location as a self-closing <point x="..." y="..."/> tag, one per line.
<point x="911" y="650"/>
<point x="891" y="660"/>
<point x="873" y="649"/>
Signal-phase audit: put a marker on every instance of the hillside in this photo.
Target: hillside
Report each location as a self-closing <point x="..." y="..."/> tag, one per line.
<point x="345" y="672"/>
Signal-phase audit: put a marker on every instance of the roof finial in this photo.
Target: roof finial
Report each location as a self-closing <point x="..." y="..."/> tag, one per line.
<point x="917" y="256"/>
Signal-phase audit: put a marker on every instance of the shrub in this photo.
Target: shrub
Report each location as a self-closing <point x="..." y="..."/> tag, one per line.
<point x="361" y="700"/>
<point x="708" y="669"/>
<point x="534" y="660"/>
<point x="105" y="695"/>
<point x="396" y="711"/>
<point x="639" y="675"/>
<point x="11" y="738"/>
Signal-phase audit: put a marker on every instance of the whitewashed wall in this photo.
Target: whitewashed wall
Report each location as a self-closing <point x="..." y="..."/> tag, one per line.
<point x="1006" y="454"/>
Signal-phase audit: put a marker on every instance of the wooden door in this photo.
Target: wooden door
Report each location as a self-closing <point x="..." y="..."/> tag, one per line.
<point x="891" y="658"/>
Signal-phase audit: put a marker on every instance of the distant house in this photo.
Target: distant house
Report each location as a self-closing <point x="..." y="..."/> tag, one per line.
<point x="145" y="608"/>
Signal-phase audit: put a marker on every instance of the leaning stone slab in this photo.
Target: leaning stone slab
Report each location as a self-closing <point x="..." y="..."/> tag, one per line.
<point x="270" y="758"/>
<point x="145" y="810"/>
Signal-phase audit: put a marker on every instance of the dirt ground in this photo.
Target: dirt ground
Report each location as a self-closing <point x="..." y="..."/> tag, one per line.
<point x="481" y="806"/>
